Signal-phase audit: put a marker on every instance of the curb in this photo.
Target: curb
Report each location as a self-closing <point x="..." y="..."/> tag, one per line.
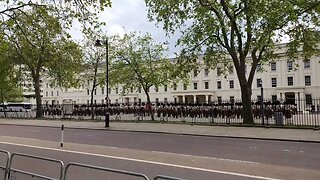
<point x="177" y="133"/>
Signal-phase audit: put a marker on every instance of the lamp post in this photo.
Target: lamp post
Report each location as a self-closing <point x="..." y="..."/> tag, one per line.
<point x="99" y="43"/>
<point x="262" y="104"/>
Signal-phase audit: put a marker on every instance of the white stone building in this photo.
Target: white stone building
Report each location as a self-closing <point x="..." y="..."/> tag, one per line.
<point x="283" y="79"/>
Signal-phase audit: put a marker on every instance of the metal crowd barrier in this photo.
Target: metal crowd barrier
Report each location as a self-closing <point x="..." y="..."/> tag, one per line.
<point x="4" y="166"/>
<point x="107" y="170"/>
<point x="9" y="173"/>
<point x="29" y="175"/>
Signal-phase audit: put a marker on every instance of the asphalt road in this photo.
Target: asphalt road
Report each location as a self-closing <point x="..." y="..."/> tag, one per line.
<point x="193" y="151"/>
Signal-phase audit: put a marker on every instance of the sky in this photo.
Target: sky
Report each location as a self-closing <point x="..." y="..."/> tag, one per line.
<point x="131" y="15"/>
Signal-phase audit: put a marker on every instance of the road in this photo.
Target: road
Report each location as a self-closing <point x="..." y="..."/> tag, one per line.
<point x="189" y="157"/>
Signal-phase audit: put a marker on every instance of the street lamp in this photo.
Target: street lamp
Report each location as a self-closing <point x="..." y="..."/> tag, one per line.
<point x="262" y="104"/>
<point x="100" y="43"/>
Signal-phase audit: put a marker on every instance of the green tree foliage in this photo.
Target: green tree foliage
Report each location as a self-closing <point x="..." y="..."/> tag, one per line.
<point x="84" y="11"/>
<point x="9" y="76"/>
<point x="40" y="44"/>
<point x="138" y="62"/>
<point x="240" y="31"/>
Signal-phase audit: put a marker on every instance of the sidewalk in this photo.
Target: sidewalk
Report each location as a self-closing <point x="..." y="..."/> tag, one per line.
<point x="305" y="135"/>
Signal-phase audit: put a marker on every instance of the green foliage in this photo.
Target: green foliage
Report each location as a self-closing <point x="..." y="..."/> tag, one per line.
<point x="84" y="11"/>
<point x="137" y="61"/>
<point x="9" y="86"/>
<point x="238" y="29"/>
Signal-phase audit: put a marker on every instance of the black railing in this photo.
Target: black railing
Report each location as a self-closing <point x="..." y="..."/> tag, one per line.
<point x="297" y="112"/>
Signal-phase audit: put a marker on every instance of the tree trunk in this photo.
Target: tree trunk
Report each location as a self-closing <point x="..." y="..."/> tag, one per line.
<point x="36" y="80"/>
<point x="149" y="106"/>
<point x="246" y="104"/>
<point x="91" y="104"/>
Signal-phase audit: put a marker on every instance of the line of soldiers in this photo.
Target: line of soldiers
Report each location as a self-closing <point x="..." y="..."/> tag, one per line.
<point x="175" y="110"/>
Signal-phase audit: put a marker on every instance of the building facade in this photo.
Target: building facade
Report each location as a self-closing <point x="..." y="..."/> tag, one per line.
<point x="281" y="80"/>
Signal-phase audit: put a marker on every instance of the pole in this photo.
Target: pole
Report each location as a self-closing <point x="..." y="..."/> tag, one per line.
<point x="107" y="116"/>
<point x="262" y="105"/>
<point x="62" y="129"/>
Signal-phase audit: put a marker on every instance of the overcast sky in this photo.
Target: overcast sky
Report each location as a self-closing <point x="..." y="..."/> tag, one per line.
<point x="131" y="15"/>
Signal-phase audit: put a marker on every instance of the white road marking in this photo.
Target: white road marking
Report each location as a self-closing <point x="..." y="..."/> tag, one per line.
<point x="206" y="157"/>
<point x="144" y="161"/>
<point x="286" y="150"/>
<point x="301" y="151"/>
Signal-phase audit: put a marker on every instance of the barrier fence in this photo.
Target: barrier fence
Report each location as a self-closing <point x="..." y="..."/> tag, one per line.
<point x="4" y="163"/>
<point x="297" y="112"/>
<point x="40" y="168"/>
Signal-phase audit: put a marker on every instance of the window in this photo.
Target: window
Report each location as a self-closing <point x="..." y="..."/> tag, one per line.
<point x="109" y="90"/>
<point x="273" y="66"/>
<point x="174" y="86"/>
<point x="218" y="84"/>
<point x="206" y="85"/>
<point x="232" y="99"/>
<point x="219" y="71"/>
<point x="165" y="88"/>
<point x="289" y="65"/>
<point x="57" y="93"/>
<point x="157" y="100"/>
<point x="165" y="100"/>
<point x="47" y="85"/>
<point x="131" y="89"/>
<point x="274" y="98"/>
<point x="307" y="80"/>
<point x="46" y="94"/>
<point x="231" y="84"/>
<point x="184" y="86"/>
<point x="259" y="82"/>
<point x="102" y="90"/>
<point x="259" y="68"/>
<point x="195" y="73"/>
<point x="102" y="101"/>
<point x="51" y="93"/>
<point x="88" y="82"/>
<point x="273" y="82"/>
<point x="117" y="90"/>
<point x="206" y="72"/>
<point x="259" y="98"/>
<point x="95" y="91"/>
<point x="156" y="89"/>
<point x="88" y="92"/>
<point x="290" y="81"/>
<point x="307" y="64"/>
<point x="219" y="99"/>
<point x="95" y="101"/>
<point x="139" y="89"/>
<point x="195" y="86"/>
<point x="308" y="99"/>
<point x="230" y="69"/>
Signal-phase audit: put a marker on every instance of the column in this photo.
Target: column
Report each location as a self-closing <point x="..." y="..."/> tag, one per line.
<point x="207" y="98"/>
<point x="183" y="99"/>
<point x="194" y="99"/>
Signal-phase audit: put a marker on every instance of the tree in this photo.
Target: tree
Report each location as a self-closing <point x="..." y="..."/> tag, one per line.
<point x="94" y="59"/>
<point x="240" y="31"/>
<point x="138" y="62"/>
<point x="39" y="43"/>
<point x="85" y="11"/>
<point x="10" y="77"/>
